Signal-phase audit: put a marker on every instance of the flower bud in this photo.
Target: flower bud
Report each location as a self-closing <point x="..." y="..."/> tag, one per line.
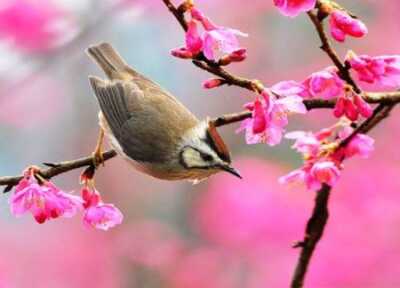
<point x="213" y="83"/>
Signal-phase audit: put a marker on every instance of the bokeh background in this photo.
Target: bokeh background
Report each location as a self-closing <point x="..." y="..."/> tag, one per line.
<point x="222" y="233"/>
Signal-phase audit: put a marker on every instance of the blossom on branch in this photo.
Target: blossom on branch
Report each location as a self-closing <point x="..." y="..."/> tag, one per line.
<point x="325" y="84"/>
<point x="44" y="200"/>
<point x="98" y="214"/>
<point x="270" y="117"/>
<point x="213" y="40"/>
<point x="352" y="105"/>
<point x="382" y="70"/>
<point x="323" y="155"/>
<point x="292" y="8"/>
<point x="342" y="24"/>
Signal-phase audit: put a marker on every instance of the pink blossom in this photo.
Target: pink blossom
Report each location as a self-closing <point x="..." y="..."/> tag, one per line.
<point x="212" y="83"/>
<point x="323" y="157"/>
<point x="97" y="214"/>
<point x="342" y="24"/>
<point x="383" y="70"/>
<point x="44" y="201"/>
<point x="223" y="40"/>
<point x="269" y="118"/>
<point x="325" y="173"/>
<point x="361" y="145"/>
<point x="219" y="39"/>
<point x="325" y="84"/>
<point x="102" y="216"/>
<point x="292" y="8"/>
<point x="314" y="175"/>
<point x="306" y="143"/>
<point x="289" y="88"/>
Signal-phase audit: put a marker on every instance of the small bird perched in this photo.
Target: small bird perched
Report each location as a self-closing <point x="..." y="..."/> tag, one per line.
<point x="150" y="128"/>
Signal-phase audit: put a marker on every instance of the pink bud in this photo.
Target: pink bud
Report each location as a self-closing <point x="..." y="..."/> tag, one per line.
<point x="182" y="53"/>
<point x="259" y="121"/>
<point x="342" y="24"/>
<point x="339" y="107"/>
<point x="213" y="83"/>
<point x="351" y="111"/>
<point x="194" y="43"/>
<point x="363" y="107"/>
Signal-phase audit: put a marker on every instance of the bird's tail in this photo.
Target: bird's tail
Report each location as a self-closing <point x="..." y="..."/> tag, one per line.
<point x="110" y="61"/>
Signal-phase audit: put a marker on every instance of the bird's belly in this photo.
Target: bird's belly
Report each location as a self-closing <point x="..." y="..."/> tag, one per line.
<point x="157" y="170"/>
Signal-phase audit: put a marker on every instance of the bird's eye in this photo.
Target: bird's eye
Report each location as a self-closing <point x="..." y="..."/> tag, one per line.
<point x="206" y="157"/>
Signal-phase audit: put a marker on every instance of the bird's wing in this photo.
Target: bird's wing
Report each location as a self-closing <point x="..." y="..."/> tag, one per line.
<point x="148" y="124"/>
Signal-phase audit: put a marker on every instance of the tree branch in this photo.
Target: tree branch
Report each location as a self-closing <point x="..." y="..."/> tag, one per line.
<point x="317" y="222"/>
<point x="314" y="231"/>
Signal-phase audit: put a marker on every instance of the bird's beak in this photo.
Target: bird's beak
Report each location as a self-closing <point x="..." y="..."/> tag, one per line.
<point x="231" y="170"/>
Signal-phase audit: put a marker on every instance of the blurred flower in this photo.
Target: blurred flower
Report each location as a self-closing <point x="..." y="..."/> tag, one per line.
<point x="45" y="201"/>
<point x="383" y="70"/>
<point x="325" y="84"/>
<point x="292" y="8"/>
<point x="342" y="24"/>
<point x="270" y="117"/>
<point x="97" y="214"/>
<point x="33" y="26"/>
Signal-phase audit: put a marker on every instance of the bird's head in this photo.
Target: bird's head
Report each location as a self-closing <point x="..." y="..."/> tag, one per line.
<point x="204" y="151"/>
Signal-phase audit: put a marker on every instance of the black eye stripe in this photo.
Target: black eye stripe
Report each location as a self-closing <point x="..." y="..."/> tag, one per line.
<point x="208" y="140"/>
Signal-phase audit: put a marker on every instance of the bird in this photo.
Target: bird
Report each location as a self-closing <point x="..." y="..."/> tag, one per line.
<point x="150" y="128"/>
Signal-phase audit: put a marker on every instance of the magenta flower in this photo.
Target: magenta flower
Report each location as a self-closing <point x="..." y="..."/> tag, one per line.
<point x="292" y="8"/>
<point x="98" y="214"/>
<point x="269" y="118"/>
<point x="44" y="201"/>
<point x="383" y="70"/>
<point x="342" y="24"/>
<point x="325" y="84"/>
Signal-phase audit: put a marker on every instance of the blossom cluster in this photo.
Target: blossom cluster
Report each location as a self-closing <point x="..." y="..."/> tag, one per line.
<point x="45" y="201"/>
<point x="272" y="106"/>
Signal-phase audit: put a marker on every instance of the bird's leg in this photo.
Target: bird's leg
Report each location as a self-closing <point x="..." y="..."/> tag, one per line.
<point x="98" y="152"/>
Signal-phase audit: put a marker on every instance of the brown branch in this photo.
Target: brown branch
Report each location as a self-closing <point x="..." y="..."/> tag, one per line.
<point x="314" y="231"/>
<point x="57" y="169"/>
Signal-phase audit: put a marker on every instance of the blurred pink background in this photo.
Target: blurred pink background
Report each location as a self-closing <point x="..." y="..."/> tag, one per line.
<point x="224" y="232"/>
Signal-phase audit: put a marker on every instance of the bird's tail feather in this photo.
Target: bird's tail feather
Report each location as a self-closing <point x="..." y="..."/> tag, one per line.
<point x="110" y="61"/>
